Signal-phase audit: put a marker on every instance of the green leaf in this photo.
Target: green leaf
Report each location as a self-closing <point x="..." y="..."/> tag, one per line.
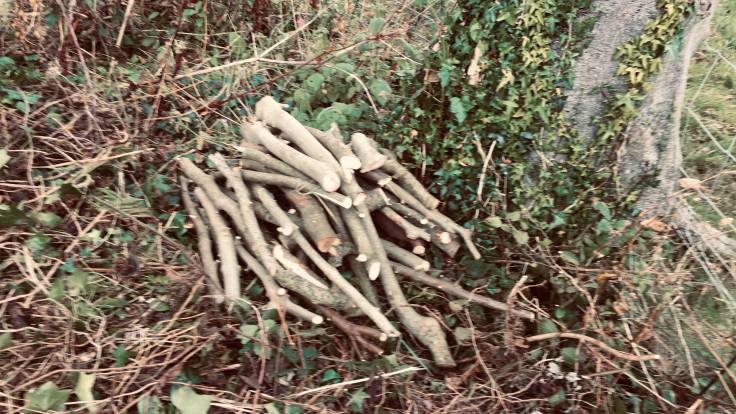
<point x="547" y="326"/>
<point x="375" y="25"/>
<point x="521" y="237"/>
<point x="380" y="90"/>
<point x="330" y="375"/>
<point x="463" y="334"/>
<point x="569" y="354"/>
<point x="4" y="158"/>
<point x="271" y="408"/>
<point x="46" y="219"/>
<point x="77" y="282"/>
<point x="247" y="333"/>
<point x="357" y="400"/>
<point x="570" y="257"/>
<point x="314" y="82"/>
<point x="189" y="402"/>
<point x="477" y="268"/>
<point x="494" y="221"/>
<point x="557" y="398"/>
<point x="603" y="209"/>
<point x="5" y="340"/>
<point x="57" y="291"/>
<point x="150" y="404"/>
<point x="83" y="391"/>
<point x="121" y="356"/>
<point x="457" y="108"/>
<point x="47" y="397"/>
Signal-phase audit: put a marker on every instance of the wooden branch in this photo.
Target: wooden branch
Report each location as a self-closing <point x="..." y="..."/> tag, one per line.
<point x="365" y="149"/>
<point x="285" y="223"/>
<point x="252" y="231"/>
<point x="411" y="231"/>
<point x="293" y="264"/>
<point x="447" y="242"/>
<point x="332" y="140"/>
<point x="319" y="171"/>
<point x="296" y="184"/>
<point x="203" y="242"/>
<point x="600" y="344"/>
<point x="364" y="281"/>
<point x="276" y="295"/>
<point x="272" y="113"/>
<point x="251" y="153"/>
<point x="356" y="333"/>
<point x="316" y="224"/>
<point x="457" y="291"/>
<point x="225" y="247"/>
<point x="366" y="251"/>
<point x="404" y="256"/>
<point x="402" y="175"/>
<point x="426" y="329"/>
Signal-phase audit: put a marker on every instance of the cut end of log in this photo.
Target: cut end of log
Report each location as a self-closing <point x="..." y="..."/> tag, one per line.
<point x="286" y="231"/>
<point x="359" y="199"/>
<point x="374" y="269"/>
<point x="328" y="243"/>
<point x="281" y="292"/>
<point x="423" y="266"/>
<point x="374" y="164"/>
<point x="350" y="162"/>
<point x="318" y="320"/>
<point x="361" y="258"/>
<point x="419" y="249"/>
<point x="383" y="337"/>
<point x="445" y="237"/>
<point x="330" y="182"/>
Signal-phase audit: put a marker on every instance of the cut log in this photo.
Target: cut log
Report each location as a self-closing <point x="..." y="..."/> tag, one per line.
<point x="296" y="184"/>
<point x="319" y="171"/>
<point x="402" y="175"/>
<point x="411" y="231"/>
<point x="291" y="263"/>
<point x="316" y="224"/>
<point x="365" y="149"/>
<point x="272" y="113"/>
<point x="404" y="256"/>
<point x="332" y="140"/>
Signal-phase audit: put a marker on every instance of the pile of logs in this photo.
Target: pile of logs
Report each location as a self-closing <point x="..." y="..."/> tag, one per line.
<point x="299" y="207"/>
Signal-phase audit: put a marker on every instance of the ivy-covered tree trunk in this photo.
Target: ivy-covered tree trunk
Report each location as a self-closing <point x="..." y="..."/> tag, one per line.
<point x="560" y="139"/>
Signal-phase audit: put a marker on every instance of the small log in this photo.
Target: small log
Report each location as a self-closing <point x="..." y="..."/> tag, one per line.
<point x="253" y="234"/>
<point x="418" y="247"/>
<point x="225" y="247"/>
<point x="364" y="281"/>
<point x="296" y="184"/>
<point x="272" y="113"/>
<point x="365" y="149"/>
<point x="319" y="171"/>
<point x="290" y="262"/>
<point x="366" y="253"/>
<point x="402" y="175"/>
<point x="285" y="224"/>
<point x="270" y="163"/>
<point x="378" y="177"/>
<point x="457" y="291"/>
<point x="404" y="256"/>
<point x="332" y="140"/>
<point x="447" y="242"/>
<point x="203" y="242"/>
<point x="411" y="231"/>
<point x="316" y="224"/>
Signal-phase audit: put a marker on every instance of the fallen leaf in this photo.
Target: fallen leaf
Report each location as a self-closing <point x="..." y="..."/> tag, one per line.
<point x="654" y="224"/>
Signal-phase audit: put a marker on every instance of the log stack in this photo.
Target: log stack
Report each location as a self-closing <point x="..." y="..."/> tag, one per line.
<point x="298" y="207"/>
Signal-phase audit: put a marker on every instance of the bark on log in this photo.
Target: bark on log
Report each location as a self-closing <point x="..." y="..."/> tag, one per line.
<point x="332" y="140"/>
<point x="316" y="224"/>
<point x="366" y="149"/>
<point x="402" y="175"/>
<point x="319" y="171"/>
<point x="296" y="184"/>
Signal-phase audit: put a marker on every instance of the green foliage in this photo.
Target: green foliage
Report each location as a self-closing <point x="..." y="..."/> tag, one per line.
<point x="47" y="397"/>
<point x="189" y="402"/>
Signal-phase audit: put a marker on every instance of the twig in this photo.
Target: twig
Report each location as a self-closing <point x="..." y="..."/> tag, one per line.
<point x="600" y="344"/>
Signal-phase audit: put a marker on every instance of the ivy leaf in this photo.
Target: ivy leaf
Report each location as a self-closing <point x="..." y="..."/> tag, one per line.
<point x="314" y="82"/>
<point x="189" y="402"/>
<point x="380" y="90"/>
<point x="457" y="108"/>
<point x="330" y="375"/>
<point x="375" y="25"/>
<point x="521" y="237"/>
<point x="121" y="356"/>
<point x="5" y="340"/>
<point x="357" y="400"/>
<point x="83" y="391"/>
<point x="46" y="219"/>
<point x="476" y="268"/>
<point x="557" y="398"/>
<point x="150" y="404"/>
<point x="570" y="257"/>
<point x="494" y="221"/>
<point x="47" y="397"/>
